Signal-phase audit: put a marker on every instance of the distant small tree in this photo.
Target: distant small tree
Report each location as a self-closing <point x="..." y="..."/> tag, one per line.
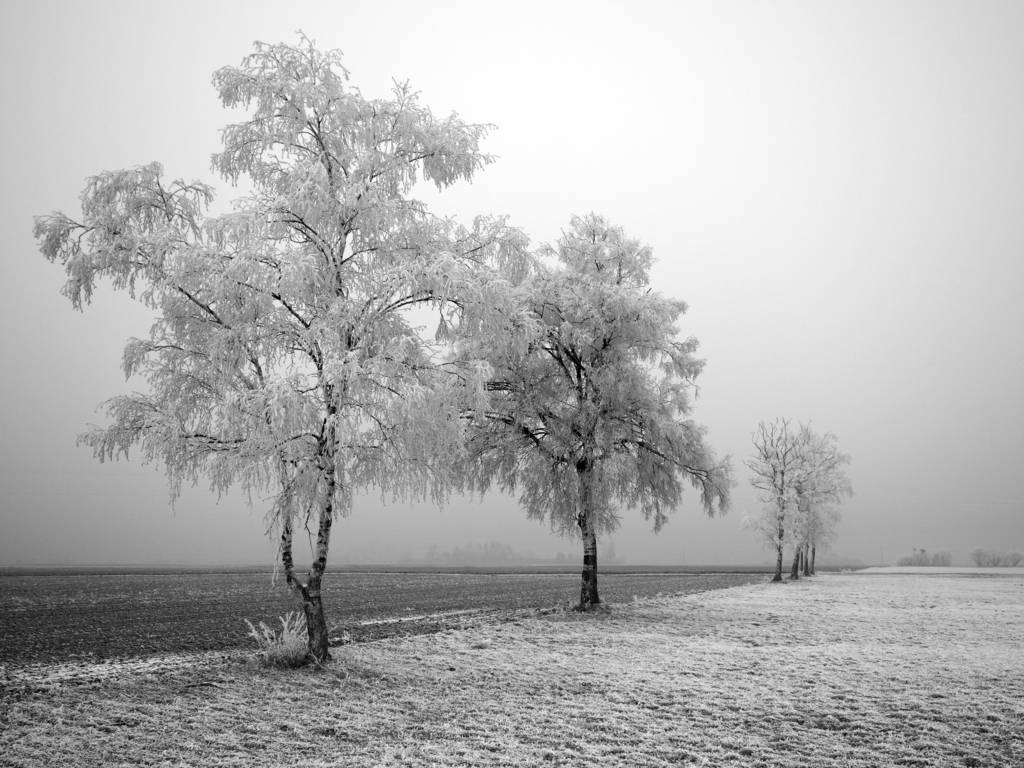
<point x="590" y="401"/>
<point x="283" y="358"/>
<point x="801" y="477"/>
<point x="924" y="558"/>
<point x="989" y="558"/>
<point x="608" y="555"/>
<point x="775" y="470"/>
<point x="822" y="483"/>
<point x="821" y="534"/>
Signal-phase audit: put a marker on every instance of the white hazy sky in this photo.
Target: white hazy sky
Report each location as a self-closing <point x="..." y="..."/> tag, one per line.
<point x="835" y="188"/>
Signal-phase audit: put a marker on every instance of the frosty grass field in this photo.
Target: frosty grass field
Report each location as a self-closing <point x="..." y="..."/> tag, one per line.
<point x="839" y="670"/>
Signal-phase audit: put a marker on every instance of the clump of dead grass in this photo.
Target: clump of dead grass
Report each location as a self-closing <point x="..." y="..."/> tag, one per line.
<point x="288" y="648"/>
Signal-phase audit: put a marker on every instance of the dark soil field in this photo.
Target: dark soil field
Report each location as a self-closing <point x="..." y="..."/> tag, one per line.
<point x="61" y="615"/>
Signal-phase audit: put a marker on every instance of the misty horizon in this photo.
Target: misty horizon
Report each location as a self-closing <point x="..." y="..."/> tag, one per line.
<point x="836" y="193"/>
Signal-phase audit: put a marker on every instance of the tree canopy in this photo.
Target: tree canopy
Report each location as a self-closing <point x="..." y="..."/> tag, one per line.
<point x="591" y="401"/>
<point x="284" y="357"/>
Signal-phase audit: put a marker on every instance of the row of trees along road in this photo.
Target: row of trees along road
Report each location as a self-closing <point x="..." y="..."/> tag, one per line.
<point x="285" y="359"/>
<point x="801" y="477"/>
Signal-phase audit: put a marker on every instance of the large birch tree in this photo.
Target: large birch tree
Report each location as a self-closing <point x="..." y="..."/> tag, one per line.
<point x="591" y="396"/>
<point x="283" y="358"/>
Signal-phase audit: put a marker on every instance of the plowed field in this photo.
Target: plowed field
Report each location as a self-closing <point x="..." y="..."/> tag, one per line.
<point x="64" y="615"/>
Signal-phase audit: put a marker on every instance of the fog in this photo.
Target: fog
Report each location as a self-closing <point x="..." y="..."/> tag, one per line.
<point x="835" y="189"/>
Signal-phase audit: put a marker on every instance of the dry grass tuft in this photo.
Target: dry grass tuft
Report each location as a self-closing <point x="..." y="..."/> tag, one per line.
<point x="288" y="648"/>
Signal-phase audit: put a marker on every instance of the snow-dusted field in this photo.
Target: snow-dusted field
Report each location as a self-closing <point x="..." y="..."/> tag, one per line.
<point x="965" y="570"/>
<point x="839" y="670"/>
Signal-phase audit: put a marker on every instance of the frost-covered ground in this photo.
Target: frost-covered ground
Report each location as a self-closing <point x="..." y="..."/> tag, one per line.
<point x="944" y="569"/>
<point x="839" y="670"/>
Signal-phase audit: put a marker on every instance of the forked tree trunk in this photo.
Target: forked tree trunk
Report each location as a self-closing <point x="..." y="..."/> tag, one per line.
<point x="312" y="604"/>
<point x="585" y="519"/>
<point x="794" y="571"/>
<point x="310" y="591"/>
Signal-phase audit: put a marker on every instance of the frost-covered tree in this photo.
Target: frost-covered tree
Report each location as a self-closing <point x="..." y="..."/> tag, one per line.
<point x="822" y="522"/>
<point x="821" y="485"/>
<point x="591" y="394"/>
<point x="990" y="558"/>
<point x="283" y="358"/>
<point x="775" y="469"/>
<point x="800" y="476"/>
<point x="922" y="557"/>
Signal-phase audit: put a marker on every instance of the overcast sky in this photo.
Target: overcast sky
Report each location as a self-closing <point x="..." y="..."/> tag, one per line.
<point x="835" y="188"/>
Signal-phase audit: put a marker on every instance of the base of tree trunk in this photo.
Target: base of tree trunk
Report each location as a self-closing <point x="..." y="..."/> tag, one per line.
<point x="316" y="627"/>
<point x="777" y="577"/>
<point x="588" y="583"/>
<point x="592" y="608"/>
<point x="588" y="592"/>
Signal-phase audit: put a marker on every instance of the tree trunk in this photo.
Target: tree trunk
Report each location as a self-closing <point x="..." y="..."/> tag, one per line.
<point x="588" y="588"/>
<point x="312" y="605"/>
<point x="806" y="560"/>
<point x="794" y="572"/>
<point x="779" y="542"/>
<point x="812" y="559"/>
<point x="310" y="593"/>
<point x="316" y="622"/>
